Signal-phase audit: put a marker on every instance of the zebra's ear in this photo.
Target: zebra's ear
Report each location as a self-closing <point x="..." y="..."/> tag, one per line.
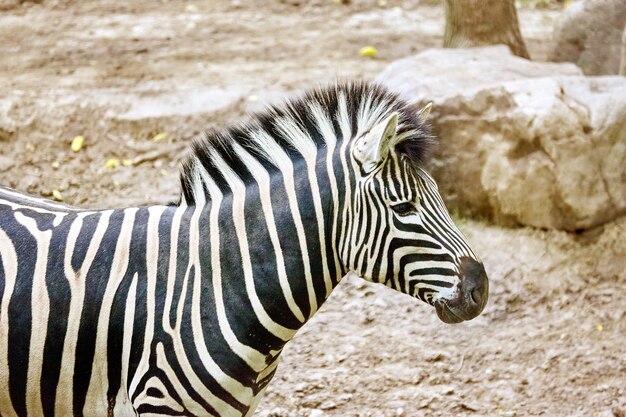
<point x="373" y="147"/>
<point x="424" y="112"/>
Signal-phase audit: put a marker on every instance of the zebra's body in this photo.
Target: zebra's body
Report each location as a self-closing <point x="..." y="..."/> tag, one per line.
<point x="128" y="283"/>
<point x="184" y="309"/>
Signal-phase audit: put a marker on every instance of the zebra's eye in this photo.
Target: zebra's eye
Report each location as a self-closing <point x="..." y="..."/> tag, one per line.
<point x="403" y="209"/>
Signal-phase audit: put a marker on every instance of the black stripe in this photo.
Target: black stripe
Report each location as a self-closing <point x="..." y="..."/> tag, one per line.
<point x="433" y="271"/>
<point x="20" y="305"/>
<point x="289" y="245"/>
<point x="85" y="235"/>
<point x="186" y="332"/>
<point x="60" y="296"/>
<point x="424" y="293"/>
<point x="95" y="286"/>
<point x="239" y="310"/>
<point x="264" y="264"/>
<point x="434" y="283"/>
<point x="216" y="344"/>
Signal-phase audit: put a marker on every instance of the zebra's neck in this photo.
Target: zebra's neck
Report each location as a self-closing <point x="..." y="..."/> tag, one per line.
<point x="281" y="185"/>
<point x="242" y="277"/>
<point x="268" y="243"/>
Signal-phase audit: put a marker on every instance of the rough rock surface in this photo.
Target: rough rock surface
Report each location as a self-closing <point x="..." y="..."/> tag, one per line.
<point x="522" y="142"/>
<point x="589" y="34"/>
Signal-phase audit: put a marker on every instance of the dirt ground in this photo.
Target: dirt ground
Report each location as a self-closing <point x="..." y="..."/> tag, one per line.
<point x="552" y="340"/>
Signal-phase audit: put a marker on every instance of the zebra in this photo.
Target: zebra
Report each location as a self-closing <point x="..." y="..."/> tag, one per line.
<point x="184" y="309"/>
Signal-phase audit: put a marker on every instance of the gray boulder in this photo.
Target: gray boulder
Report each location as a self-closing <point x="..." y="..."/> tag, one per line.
<point x="589" y="33"/>
<point x="521" y="142"/>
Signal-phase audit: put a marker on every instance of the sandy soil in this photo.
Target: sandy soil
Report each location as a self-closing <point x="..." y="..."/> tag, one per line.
<point x="552" y="340"/>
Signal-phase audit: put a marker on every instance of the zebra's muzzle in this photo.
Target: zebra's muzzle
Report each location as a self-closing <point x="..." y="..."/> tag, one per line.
<point x="471" y="297"/>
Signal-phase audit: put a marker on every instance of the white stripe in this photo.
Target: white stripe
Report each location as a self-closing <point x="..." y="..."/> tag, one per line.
<point x="98" y="385"/>
<point x="221" y="406"/>
<point x="189" y="403"/>
<point x="238" y="202"/>
<point x="284" y="163"/>
<point x="298" y="136"/>
<point x="166" y="401"/>
<point x="368" y="116"/>
<point x="263" y="180"/>
<point x="40" y="310"/>
<point x="326" y="128"/>
<point x="123" y="406"/>
<point x="171" y="272"/>
<point x="346" y="225"/>
<point x="76" y="280"/>
<point x="240" y="392"/>
<point x="9" y="259"/>
<point x="251" y="356"/>
<point x="151" y="261"/>
<point x="198" y="191"/>
<point x="39" y="205"/>
<point x="379" y="235"/>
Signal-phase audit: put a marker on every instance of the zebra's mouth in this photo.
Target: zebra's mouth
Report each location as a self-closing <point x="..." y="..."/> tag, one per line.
<point x="471" y="297"/>
<point x="446" y="314"/>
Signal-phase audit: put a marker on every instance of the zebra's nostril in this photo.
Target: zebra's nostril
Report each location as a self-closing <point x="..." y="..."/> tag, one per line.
<point x="475" y="283"/>
<point x="477" y="295"/>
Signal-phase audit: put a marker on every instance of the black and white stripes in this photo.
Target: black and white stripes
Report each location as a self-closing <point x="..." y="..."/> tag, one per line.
<point x="185" y="309"/>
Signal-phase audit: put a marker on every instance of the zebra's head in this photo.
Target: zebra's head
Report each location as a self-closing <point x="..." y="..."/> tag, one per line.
<point x="401" y="234"/>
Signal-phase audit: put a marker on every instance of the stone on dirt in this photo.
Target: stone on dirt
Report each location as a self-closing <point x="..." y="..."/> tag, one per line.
<point x="521" y="142"/>
<point x="589" y="34"/>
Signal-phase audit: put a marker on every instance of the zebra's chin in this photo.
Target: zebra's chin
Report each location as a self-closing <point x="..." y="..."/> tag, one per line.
<point x="459" y="309"/>
<point x="446" y="314"/>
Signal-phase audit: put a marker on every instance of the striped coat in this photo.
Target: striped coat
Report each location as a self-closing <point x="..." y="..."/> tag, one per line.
<point x="185" y="309"/>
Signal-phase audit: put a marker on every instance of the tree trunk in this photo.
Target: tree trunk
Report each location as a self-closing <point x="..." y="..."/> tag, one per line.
<point x="483" y="22"/>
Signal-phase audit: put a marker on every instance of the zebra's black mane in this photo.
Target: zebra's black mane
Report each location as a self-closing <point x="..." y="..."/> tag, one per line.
<point x="415" y="144"/>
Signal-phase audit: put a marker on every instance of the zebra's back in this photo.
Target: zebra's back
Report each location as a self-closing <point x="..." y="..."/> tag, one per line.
<point x="57" y="267"/>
